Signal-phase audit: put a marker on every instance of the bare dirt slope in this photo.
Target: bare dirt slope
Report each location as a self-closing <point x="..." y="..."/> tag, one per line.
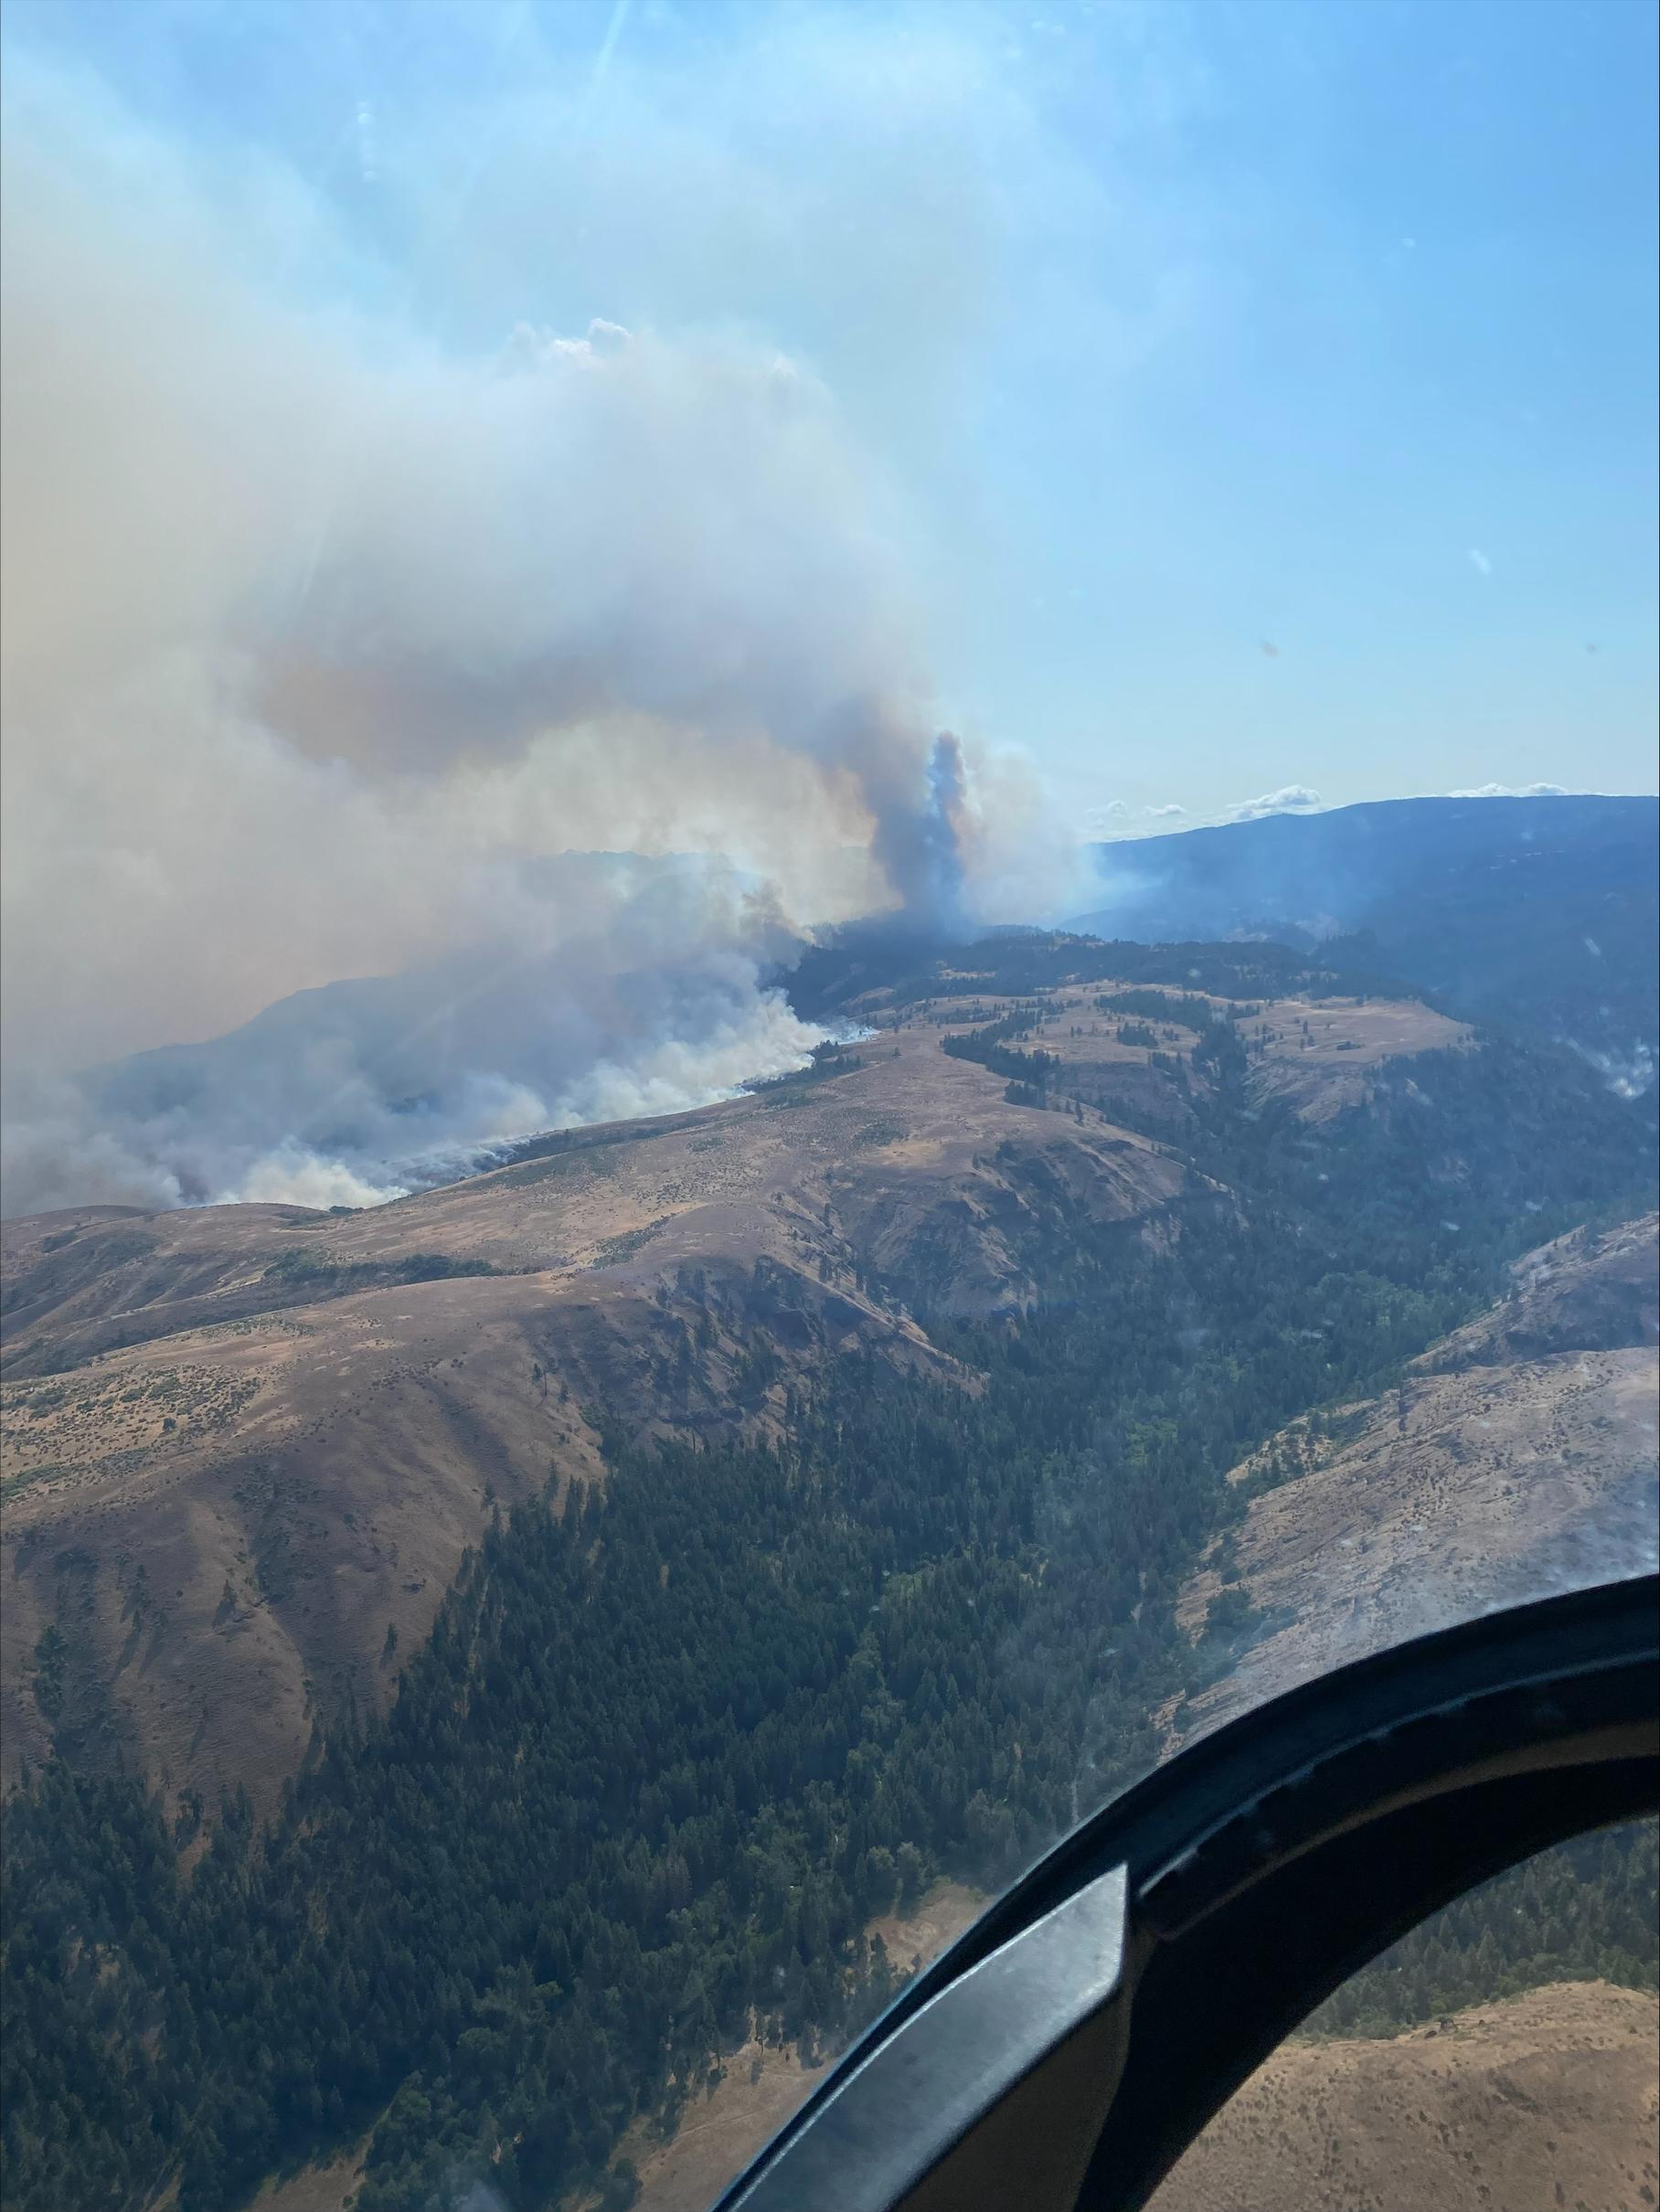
<point x="1517" y="1456"/>
<point x="1543" y="2103"/>
<point x="245" y="1447"/>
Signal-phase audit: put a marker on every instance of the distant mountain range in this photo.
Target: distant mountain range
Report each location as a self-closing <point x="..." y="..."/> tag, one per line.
<point x="1538" y="913"/>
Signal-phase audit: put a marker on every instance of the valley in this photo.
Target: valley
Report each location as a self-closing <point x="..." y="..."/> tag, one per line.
<point x="516" y="1647"/>
<point x="245" y="1447"/>
<point x="831" y="1002"/>
<point x="263" y="1440"/>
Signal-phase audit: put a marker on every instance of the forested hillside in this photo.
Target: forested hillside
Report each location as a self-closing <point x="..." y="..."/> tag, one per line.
<point x="1539" y="911"/>
<point x="669" y="1750"/>
<point x="1587" y="1910"/>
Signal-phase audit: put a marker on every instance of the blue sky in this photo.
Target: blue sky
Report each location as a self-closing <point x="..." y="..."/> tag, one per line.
<point x="1264" y="392"/>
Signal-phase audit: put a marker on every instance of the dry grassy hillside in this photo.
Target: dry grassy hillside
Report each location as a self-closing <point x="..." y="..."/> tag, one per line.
<point x="1582" y="1289"/>
<point x="1318" y="1054"/>
<point x="1545" y="2103"/>
<point x="245" y="1446"/>
<point x="1541" y="2103"/>
<point x="1517" y="1456"/>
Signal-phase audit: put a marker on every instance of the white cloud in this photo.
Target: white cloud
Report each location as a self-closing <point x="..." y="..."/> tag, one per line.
<point x="1289" y="799"/>
<point x="1513" y="791"/>
<point x="1119" y="823"/>
<point x="1478" y="560"/>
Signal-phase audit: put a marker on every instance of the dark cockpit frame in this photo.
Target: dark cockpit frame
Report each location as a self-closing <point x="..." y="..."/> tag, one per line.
<point x="1071" y="2046"/>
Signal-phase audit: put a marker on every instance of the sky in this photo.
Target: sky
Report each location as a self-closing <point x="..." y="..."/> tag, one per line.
<point x="550" y="503"/>
<point x="1263" y="393"/>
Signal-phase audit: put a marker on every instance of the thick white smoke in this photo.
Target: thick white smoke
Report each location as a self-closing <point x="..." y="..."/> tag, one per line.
<point x="362" y="1089"/>
<point x="321" y="645"/>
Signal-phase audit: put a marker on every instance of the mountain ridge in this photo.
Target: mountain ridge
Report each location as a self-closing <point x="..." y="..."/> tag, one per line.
<point x="1539" y="911"/>
<point x="606" y="1587"/>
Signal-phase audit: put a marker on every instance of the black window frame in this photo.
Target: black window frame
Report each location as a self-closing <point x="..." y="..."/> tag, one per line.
<point x="1064" y="2053"/>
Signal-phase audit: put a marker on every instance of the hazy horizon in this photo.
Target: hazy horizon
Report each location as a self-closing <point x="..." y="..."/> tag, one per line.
<point x="874" y="451"/>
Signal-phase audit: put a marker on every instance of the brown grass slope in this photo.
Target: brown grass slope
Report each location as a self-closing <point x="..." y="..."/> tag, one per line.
<point x="1544" y="2103"/>
<point x="244" y="1446"/>
<point x="240" y="1446"/>
<point x="1517" y="1456"/>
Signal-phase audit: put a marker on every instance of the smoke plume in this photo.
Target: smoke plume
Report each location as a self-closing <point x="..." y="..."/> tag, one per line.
<point x="329" y="652"/>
